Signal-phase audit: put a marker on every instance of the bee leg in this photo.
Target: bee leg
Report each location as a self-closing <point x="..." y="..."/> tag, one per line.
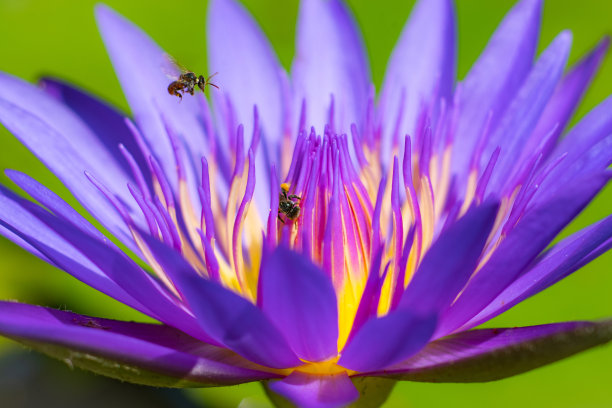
<point x="281" y="220"/>
<point x="292" y="196"/>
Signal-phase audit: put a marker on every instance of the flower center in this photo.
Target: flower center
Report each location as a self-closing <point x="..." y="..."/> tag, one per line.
<point x="366" y="225"/>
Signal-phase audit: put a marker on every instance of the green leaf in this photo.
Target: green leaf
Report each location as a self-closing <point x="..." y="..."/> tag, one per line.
<point x="493" y="354"/>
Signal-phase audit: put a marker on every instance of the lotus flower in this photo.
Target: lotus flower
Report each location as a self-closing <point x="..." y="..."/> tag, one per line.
<point x="303" y="231"/>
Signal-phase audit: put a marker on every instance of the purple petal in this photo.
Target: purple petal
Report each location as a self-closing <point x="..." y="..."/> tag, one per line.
<point x="139" y="64"/>
<point x="522" y="115"/>
<point x="144" y="353"/>
<point x="560" y="261"/>
<point x="496" y="76"/>
<point x="249" y="72"/>
<point x="423" y="62"/>
<point x="585" y="149"/>
<point x="17" y="219"/>
<point x="316" y="391"/>
<point x="52" y="202"/>
<point x="535" y="230"/>
<point x="117" y="267"/>
<point x="107" y="123"/>
<point x="330" y="60"/>
<point x="387" y="340"/>
<point x="236" y="42"/>
<point x="493" y="354"/>
<point x="299" y="299"/>
<point x="66" y="146"/>
<point x="226" y="316"/>
<point x="568" y="94"/>
<point x="450" y="262"/>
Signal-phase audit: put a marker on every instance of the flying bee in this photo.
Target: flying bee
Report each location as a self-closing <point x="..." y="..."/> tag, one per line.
<point x="287" y="204"/>
<point x="187" y="81"/>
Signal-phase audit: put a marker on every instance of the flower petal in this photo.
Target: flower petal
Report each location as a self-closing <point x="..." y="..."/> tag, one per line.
<point x="563" y="259"/>
<point x="423" y="62"/>
<point x="249" y="72"/>
<point x="316" y="391"/>
<point x="52" y="202"/>
<point x="66" y="146"/>
<point x="387" y="340"/>
<point x="107" y="123"/>
<point x="568" y="94"/>
<point x="493" y="354"/>
<point x="249" y="75"/>
<point x="227" y="317"/>
<point x="519" y="120"/>
<point x="143" y="353"/>
<point x="585" y="149"/>
<point x="141" y="288"/>
<point x="330" y="60"/>
<point x="139" y="64"/>
<point x="535" y="230"/>
<point x="495" y="77"/>
<point x="17" y="219"/>
<point x="450" y="261"/>
<point x="300" y="300"/>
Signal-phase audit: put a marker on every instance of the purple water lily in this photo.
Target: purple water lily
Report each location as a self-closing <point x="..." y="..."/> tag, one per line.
<point x="417" y="214"/>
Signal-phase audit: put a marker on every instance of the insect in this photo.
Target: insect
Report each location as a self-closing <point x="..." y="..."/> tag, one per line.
<point x="287" y="204"/>
<point x="187" y="82"/>
<point x="184" y="80"/>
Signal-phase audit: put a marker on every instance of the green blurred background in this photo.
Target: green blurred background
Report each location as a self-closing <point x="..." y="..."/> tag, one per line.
<point x="59" y="38"/>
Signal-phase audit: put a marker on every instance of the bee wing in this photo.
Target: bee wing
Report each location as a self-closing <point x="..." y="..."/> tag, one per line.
<point x="171" y="68"/>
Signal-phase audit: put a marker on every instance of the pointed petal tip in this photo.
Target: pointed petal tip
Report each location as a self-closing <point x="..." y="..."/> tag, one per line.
<point x="103" y="11"/>
<point x="566" y="36"/>
<point x="604" y="43"/>
<point x="601" y="49"/>
<point x="531" y="6"/>
<point x="493" y="354"/>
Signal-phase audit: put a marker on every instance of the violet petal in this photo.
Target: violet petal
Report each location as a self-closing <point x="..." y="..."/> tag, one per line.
<point x="141" y="66"/>
<point x="535" y="230"/>
<point x="106" y="122"/>
<point x="66" y="146"/>
<point x="493" y="354"/>
<point x="387" y="340"/>
<point x="144" y="353"/>
<point x="299" y="299"/>
<point x="450" y="261"/>
<point x="496" y="76"/>
<point x="316" y="391"/>
<point x="519" y="120"/>
<point x="226" y="316"/>
<point x="568" y="95"/>
<point x="560" y="261"/>
<point x="423" y="62"/>
<point x="330" y="60"/>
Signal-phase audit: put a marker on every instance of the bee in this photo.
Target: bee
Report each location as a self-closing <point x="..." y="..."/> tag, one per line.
<point x="187" y="81"/>
<point x="287" y="204"/>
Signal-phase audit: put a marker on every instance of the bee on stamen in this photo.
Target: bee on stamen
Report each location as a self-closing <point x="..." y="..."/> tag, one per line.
<point x="287" y="204"/>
